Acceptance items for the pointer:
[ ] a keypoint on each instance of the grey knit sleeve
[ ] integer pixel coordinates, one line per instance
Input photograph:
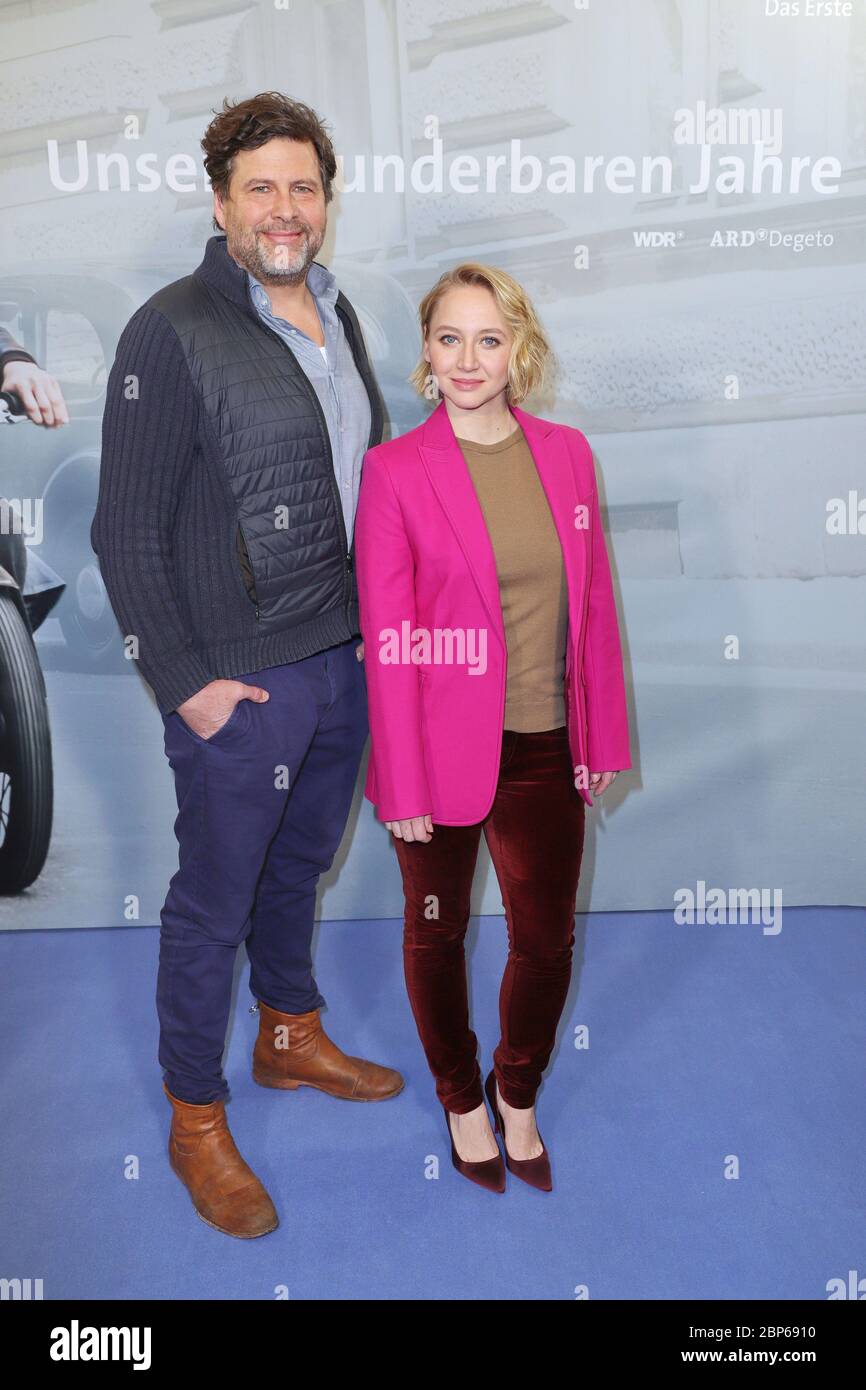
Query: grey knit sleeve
(149, 437)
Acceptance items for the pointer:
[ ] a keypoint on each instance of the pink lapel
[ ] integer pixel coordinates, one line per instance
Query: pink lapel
(452, 483)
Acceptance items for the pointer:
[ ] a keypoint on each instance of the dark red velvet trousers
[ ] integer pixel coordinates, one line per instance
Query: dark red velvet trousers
(534, 832)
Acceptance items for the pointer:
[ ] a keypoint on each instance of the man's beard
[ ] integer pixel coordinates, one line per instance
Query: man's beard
(278, 264)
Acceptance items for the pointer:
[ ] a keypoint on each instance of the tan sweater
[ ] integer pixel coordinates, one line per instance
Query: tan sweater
(532, 580)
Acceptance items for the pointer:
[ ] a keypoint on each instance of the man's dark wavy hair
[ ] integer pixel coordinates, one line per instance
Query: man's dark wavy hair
(244, 125)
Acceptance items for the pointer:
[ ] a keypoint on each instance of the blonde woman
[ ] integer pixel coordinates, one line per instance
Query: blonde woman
(495, 693)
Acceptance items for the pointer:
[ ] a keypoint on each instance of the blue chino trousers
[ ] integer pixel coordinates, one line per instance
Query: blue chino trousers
(262, 808)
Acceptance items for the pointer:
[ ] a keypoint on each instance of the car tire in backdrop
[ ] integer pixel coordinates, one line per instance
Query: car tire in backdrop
(26, 770)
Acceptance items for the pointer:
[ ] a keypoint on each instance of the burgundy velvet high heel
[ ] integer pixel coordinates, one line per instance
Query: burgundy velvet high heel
(489, 1172)
(535, 1171)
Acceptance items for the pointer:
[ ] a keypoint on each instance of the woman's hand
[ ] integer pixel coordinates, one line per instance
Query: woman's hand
(40, 393)
(418, 828)
(600, 781)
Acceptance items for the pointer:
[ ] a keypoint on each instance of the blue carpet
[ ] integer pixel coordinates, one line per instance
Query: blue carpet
(709, 1047)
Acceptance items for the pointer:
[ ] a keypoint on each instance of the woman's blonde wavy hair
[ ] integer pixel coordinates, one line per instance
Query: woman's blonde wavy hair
(530, 349)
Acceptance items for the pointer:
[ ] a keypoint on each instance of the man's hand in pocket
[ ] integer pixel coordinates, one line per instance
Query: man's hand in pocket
(209, 708)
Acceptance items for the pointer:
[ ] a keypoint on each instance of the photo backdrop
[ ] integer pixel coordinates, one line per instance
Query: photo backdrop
(679, 185)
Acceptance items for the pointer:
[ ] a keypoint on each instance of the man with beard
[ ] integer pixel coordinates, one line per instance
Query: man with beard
(239, 408)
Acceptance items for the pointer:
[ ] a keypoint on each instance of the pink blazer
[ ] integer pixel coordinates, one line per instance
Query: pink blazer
(425, 562)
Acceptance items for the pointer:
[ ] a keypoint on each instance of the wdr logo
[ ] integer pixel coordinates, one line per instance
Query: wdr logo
(654, 240)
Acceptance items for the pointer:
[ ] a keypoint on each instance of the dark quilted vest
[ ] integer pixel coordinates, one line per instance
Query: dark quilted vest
(273, 440)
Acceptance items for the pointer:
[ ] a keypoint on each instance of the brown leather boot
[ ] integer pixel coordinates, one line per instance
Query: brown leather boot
(294, 1050)
(225, 1191)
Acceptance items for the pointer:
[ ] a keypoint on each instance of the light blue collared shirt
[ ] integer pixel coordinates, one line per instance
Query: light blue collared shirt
(336, 380)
